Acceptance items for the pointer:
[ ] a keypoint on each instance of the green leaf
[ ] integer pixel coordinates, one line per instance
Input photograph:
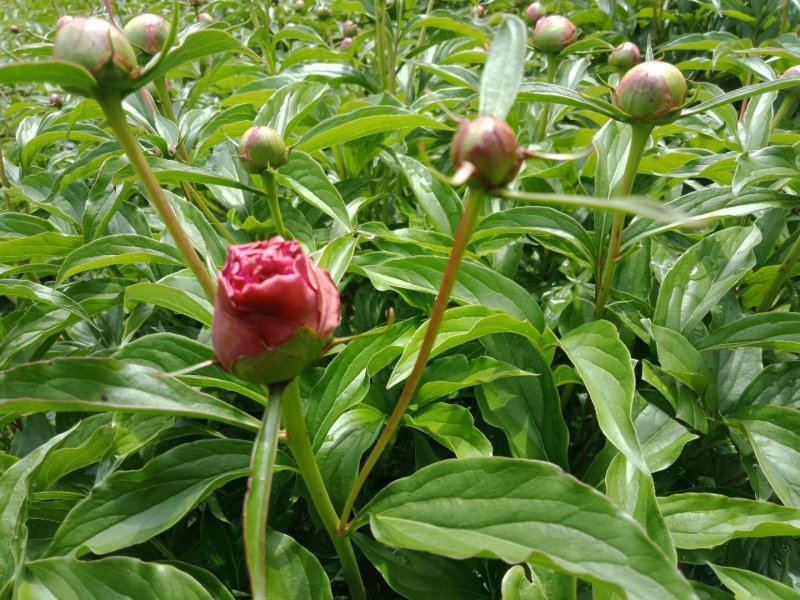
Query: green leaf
(121, 249)
(522, 510)
(539, 91)
(173, 297)
(65, 74)
(459, 325)
(116, 577)
(776, 331)
(363, 122)
(452, 373)
(502, 73)
(699, 520)
(293, 572)
(604, 364)
(778, 385)
(746, 584)
(749, 91)
(420, 576)
(45, 245)
(130, 507)
(104, 384)
(526, 409)
(774, 433)
(436, 198)
(22, 288)
(442, 19)
(453, 427)
(305, 176)
(703, 275)
(290, 104)
(679, 358)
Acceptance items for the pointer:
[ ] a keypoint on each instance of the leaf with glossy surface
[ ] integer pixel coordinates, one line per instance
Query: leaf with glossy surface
(436, 198)
(305, 176)
(116, 577)
(776, 331)
(293, 572)
(521, 510)
(604, 364)
(453, 427)
(104, 384)
(290, 104)
(700, 520)
(746, 585)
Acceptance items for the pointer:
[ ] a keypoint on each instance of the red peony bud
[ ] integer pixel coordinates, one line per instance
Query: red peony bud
(792, 72)
(625, 56)
(346, 43)
(147, 33)
(534, 12)
(553, 34)
(349, 29)
(491, 146)
(262, 148)
(651, 92)
(99, 47)
(274, 313)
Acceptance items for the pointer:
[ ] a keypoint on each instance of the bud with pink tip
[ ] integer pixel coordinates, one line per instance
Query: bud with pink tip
(625, 56)
(204, 17)
(490, 145)
(262, 148)
(56, 100)
(651, 92)
(63, 20)
(553, 34)
(147, 33)
(346, 43)
(349, 29)
(534, 12)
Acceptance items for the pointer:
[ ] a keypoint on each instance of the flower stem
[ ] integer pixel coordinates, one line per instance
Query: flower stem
(463, 234)
(115, 114)
(780, 277)
(270, 187)
(303, 453)
(783, 110)
(380, 42)
(256, 500)
(4, 183)
(544, 117)
(640, 134)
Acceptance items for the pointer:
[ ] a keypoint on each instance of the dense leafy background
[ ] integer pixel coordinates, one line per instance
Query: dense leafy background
(121, 470)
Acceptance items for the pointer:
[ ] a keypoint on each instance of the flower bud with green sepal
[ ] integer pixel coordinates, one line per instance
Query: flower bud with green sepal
(262, 148)
(651, 92)
(625, 56)
(553, 34)
(147, 33)
(490, 145)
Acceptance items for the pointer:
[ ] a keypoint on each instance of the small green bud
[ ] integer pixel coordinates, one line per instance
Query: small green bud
(490, 145)
(99, 47)
(147, 33)
(262, 148)
(625, 56)
(299, 6)
(651, 92)
(323, 12)
(553, 34)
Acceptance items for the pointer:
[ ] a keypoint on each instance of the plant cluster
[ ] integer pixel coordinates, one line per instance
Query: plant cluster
(489, 301)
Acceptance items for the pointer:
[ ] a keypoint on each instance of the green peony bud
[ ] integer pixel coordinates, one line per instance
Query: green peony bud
(553, 34)
(534, 12)
(262, 148)
(147, 33)
(99, 47)
(299, 6)
(323, 12)
(651, 92)
(491, 146)
(625, 56)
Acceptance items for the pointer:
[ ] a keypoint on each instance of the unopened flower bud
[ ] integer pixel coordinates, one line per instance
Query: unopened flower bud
(14, 29)
(349, 29)
(147, 33)
(534, 12)
(56, 100)
(554, 33)
(323, 12)
(99, 47)
(299, 6)
(262, 148)
(490, 145)
(651, 92)
(346, 43)
(478, 11)
(625, 56)
(274, 313)
(204, 17)
(63, 20)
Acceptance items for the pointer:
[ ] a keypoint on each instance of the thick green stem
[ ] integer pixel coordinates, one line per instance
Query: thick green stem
(780, 277)
(783, 110)
(463, 234)
(256, 500)
(4, 183)
(300, 444)
(544, 116)
(270, 188)
(380, 42)
(115, 114)
(640, 134)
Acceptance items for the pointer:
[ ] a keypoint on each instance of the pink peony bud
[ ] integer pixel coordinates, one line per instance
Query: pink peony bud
(262, 148)
(346, 43)
(651, 92)
(275, 312)
(63, 20)
(56, 100)
(349, 29)
(625, 56)
(534, 12)
(14, 29)
(553, 34)
(147, 33)
(478, 11)
(204, 17)
(491, 146)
